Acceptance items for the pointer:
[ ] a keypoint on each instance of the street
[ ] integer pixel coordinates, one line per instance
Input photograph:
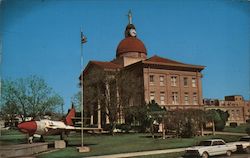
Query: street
(233, 156)
(236, 156)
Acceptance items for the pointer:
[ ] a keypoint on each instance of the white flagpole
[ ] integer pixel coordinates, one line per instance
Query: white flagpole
(81, 91)
(1, 83)
(83, 40)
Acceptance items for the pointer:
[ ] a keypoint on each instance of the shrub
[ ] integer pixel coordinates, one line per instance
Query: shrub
(219, 126)
(125, 127)
(233, 124)
(248, 130)
(188, 130)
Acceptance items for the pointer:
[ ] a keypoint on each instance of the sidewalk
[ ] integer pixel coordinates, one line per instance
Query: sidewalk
(225, 133)
(142, 153)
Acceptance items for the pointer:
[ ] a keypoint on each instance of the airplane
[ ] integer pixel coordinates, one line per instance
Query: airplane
(49, 127)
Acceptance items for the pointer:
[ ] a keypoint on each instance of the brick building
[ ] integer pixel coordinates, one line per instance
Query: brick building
(170, 83)
(237, 107)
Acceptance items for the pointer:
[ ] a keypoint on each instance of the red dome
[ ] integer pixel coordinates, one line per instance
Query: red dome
(130, 44)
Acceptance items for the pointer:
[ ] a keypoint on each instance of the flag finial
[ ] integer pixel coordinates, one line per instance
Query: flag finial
(130, 17)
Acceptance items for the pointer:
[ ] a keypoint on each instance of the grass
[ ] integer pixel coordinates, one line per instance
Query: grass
(9, 137)
(239, 129)
(103, 145)
(120, 143)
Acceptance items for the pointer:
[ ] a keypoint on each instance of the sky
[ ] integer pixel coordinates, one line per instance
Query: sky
(42, 37)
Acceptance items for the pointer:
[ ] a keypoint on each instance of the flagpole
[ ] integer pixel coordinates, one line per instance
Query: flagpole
(83, 40)
(1, 84)
(81, 89)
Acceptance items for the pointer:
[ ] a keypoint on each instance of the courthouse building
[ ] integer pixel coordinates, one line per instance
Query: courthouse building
(170, 83)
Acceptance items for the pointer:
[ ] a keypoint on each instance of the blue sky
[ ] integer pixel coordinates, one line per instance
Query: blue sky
(42, 37)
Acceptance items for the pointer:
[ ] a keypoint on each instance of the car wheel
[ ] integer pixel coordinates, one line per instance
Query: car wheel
(248, 150)
(229, 153)
(204, 155)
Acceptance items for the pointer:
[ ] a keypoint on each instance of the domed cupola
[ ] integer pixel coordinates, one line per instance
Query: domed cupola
(131, 46)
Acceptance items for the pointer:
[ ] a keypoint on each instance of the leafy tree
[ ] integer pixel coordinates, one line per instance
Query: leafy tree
(29, 96)
(218, 117)
(137, 117)
(185, 122)
(155, 115)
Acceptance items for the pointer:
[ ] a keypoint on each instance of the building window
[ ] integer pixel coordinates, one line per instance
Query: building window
(161, 80)
(186, 99)
(193, 82)
(195, 99)
(185, 81)
(162, 98)
(174, 98)
(152, 96)
(151, 79)
(173, 81)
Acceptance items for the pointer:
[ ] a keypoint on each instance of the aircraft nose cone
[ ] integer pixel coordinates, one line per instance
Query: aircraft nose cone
(28, 127)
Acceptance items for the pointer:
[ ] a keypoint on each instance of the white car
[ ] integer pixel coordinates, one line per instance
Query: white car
(210, 147)
(243, 145)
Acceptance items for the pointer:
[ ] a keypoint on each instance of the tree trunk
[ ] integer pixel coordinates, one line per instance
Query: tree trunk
(213, 128)
(202, 130)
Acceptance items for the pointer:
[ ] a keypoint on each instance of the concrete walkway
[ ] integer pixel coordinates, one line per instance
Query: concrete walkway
(225, 133)
(142, 153)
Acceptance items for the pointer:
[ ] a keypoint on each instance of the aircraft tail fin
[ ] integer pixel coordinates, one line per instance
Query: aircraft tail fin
(71, 113)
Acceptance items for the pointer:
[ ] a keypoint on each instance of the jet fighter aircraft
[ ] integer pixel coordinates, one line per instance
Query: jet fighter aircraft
(49, 127)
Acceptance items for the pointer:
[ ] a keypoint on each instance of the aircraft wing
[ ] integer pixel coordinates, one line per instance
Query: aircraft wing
(72, 128)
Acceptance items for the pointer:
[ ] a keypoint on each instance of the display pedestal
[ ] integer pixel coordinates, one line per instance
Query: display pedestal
(60, 144)
(83, 149)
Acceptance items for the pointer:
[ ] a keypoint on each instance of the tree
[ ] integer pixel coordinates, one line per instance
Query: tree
(218, 118)
(156, 116)
(185, 122)
(112, 92)
(100, 94)
(29, 96)
(76, 100)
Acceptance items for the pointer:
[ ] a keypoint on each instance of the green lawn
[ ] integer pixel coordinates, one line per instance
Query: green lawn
(9, 137)
(238, 129)
(120, 143)
(102, 145)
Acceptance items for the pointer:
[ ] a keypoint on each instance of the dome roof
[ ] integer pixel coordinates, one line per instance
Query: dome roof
(130, 44)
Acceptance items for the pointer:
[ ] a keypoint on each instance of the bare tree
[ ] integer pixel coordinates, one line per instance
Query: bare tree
(31, 96)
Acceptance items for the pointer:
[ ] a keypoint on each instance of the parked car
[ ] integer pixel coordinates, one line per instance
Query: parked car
(243, 145)
(211, 147)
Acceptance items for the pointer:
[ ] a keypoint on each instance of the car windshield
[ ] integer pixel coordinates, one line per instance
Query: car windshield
(245, 139)
(205, 143)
